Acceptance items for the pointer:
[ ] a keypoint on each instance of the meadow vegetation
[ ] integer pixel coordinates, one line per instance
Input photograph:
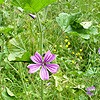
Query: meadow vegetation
(71, 30)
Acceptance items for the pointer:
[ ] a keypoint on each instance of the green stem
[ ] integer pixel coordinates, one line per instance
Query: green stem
(41, 89)
(41, 49)
(15, 26)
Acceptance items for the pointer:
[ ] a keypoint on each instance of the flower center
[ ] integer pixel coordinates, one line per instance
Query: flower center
(43, 63)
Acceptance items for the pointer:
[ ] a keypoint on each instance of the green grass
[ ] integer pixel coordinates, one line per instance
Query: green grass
(78, 69)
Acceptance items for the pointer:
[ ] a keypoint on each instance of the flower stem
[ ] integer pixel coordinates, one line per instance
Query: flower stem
(41, 49)
(41, 89)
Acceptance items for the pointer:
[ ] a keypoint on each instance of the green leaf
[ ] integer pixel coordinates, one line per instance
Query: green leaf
(19, 48)
(14, 42)
(85, 36)
(65, 21)
(19, 56)
(32, 5)
(59, 88)
(1, 1)
(7, 94)
(69, 23)
(94, 30)
(6, 29)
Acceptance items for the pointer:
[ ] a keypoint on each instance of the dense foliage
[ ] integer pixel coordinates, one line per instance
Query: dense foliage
(71, 30)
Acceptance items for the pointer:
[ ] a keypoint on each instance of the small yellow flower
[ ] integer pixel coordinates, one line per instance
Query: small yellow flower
(77, 54)
(73, 61)
(68, 43)
(66, 40)
(80, 50)
(80, 57)
(61, 46)
(73, 52)
(66, 46)
(54, 50)
(66, 36)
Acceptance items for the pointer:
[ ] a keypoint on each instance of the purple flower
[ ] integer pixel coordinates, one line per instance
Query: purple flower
(33, 16)
(89, 93)
(99, 50)
(92, 88)
(44, 64)
(89, 90)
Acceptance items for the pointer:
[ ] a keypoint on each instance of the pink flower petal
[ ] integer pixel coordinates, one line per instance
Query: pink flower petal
(37, 58)
(49, 57)
(53, 68)
(33, 67)
(44, 74)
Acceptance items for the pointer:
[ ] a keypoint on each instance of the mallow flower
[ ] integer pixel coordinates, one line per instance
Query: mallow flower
(92, 88)
(44, 64)
(89, 90)
(89, 93)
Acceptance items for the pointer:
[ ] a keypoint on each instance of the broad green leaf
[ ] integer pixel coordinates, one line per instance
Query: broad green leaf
(32, 5)
(1, 1)
(69, 24)
(19, 48)
(19, 56)
(65, 21)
